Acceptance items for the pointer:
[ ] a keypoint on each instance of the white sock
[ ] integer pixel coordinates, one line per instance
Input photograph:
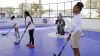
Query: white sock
(17, 38)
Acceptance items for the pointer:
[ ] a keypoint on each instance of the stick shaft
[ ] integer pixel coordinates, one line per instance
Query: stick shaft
(22, 35)
(62, 49)
(9, 31)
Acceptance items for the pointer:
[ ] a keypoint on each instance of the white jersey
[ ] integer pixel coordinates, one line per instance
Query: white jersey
(15, 22)
(76, 24)
(31, 26)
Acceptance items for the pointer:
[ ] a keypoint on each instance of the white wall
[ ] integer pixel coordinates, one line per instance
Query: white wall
(87, 23)
(7, 22)
(37, 21)
(91, 23)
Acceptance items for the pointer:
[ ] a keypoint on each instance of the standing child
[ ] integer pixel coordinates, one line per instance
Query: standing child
(16, 25)
(30, 26)
(60, 25)
(76, 31)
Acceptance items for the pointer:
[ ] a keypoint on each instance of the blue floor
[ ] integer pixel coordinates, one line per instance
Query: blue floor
(46, 45)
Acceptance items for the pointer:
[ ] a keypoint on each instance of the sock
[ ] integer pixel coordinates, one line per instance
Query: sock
(15, 34)
(17, 38)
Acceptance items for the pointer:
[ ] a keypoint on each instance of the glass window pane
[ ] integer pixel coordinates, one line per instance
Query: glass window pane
(85, 13)
(53, 10)
(68, 9)
(7, 12)
(35, 10)
(18, 13)
(95, 8)
(26, 6)
(61, 8)
(45, 10)
(86, 10)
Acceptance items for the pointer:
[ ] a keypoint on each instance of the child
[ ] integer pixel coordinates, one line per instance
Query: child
(76, 31)
(30, 26)
(60, 25)
(16, 25)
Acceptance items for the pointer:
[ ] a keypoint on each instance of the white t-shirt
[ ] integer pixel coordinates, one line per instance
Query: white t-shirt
(76, 24)
(15, 22)
(31, 26)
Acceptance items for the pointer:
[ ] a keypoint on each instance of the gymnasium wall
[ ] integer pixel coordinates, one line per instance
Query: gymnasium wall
(91, 24)
(87, 23)
(4, 23)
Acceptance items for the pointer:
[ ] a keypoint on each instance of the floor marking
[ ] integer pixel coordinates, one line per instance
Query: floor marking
(53, 34)
(91, 40)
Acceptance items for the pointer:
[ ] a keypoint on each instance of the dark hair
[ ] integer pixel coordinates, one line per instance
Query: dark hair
(79, 5)
(13, 17)
(27, 14)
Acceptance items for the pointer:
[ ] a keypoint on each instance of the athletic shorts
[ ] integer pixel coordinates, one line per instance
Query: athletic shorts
(75, 39)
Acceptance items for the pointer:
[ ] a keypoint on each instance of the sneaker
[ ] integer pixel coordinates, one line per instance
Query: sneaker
(28, 44)
(32, 46)
(82, 35)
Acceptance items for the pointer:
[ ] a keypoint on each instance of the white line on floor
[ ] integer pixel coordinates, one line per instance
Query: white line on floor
(91, 40)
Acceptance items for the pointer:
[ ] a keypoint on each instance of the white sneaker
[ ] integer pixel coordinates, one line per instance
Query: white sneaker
(17, 39)
(82, 35)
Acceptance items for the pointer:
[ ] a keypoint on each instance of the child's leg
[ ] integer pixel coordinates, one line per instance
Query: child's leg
(75, 45)
(17, 35)
(61, 30)
(76, 51)
(58, 29)
(18, 31)
(15, 32)
(29, 44)
(31, 36)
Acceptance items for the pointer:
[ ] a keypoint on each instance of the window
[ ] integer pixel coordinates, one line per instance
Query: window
(91, 9)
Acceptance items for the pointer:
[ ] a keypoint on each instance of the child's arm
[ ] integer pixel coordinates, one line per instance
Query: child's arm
(28, 24)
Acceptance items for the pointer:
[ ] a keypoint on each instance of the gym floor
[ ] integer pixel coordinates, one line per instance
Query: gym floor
(47, 43)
